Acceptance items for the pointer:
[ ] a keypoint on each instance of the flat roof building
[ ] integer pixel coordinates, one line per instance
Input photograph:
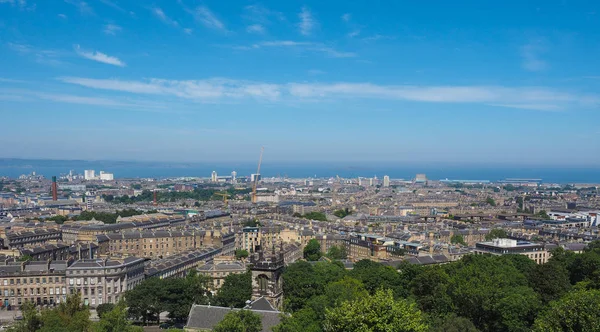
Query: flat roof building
(534, 251)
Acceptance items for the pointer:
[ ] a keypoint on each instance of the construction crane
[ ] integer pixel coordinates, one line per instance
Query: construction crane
(255, 183)
(225, 196)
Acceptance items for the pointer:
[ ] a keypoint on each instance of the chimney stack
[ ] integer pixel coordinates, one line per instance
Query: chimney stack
(54, 189)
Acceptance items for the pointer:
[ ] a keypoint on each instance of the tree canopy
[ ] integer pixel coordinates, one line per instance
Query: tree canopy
(312, 250)
(240, 321)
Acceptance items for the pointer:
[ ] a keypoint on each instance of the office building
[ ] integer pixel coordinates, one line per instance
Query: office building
(420, 178)
(255, 177)
(42, 283)
(534, 251)
(89, 174)
(106, 176)
(234, 177)
(213, 177)
(386, 181)
(104, 280)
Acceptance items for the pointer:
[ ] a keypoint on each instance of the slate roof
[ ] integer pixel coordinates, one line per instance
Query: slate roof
(427, 260)
(205, 317)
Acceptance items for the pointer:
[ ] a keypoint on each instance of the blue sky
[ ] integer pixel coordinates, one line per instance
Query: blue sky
(512, 82)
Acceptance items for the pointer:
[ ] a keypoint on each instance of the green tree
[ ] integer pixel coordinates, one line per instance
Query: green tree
(376, 275)
(304, 320)
(104, 308)
(312, 250)
(115, 320)
(70, 315)
(452, 323)
(341, 213)
(337, 252)
(25, 258)
(550, 280)
(241, 254)
(576, 311)
(430, 290)
(145, 301)
(320, 216)
(490, 201)
(236, 290)
(296, 215)
(491, 292)
(495, 234)
(542, 214)
(240, 321)
(379, 312)
(31, 321)
(458, 239)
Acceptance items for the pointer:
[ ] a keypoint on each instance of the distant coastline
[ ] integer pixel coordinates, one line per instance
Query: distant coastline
(13, 168)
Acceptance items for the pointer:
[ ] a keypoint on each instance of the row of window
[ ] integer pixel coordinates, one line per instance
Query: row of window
(33, 291)
(37, 280)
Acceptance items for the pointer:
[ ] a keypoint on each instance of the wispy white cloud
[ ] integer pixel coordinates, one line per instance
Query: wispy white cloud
(260, 17)
(63, 16)
(10, 80)
(307, 22)
(534, 98)
(346, 17)
(302, 46)
(208, 18)
(261, 14)
(163, 17)
(112, 29)
(316, 72)
(20, 48)
(255, 28)
(376, 37)
(83, 7)
(188, 31)
(22, 4)
(209, 89)
(46, 57)
(114, 5)
(99, 57)
(125, 103)
(354, 33)
(531, 54)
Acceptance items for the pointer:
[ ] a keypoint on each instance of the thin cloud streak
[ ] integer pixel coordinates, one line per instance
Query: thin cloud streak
(307, 22)
(112, 29)
(308, 46)
(255, 28)
(113, 5)
(99, 57)
(534, 98)
(84, 7)
(531, 57)
(208, 18)
(163, 17)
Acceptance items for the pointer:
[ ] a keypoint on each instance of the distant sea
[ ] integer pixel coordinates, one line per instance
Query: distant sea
(13, 168)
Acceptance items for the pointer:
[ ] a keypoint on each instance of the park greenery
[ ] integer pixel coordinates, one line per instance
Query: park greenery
(312, 250)
(110, 218)
(241, 254)
(320, 216)
(477, 293)
(458, 239)
(70, 316)
(198, 194)
(240, 321)
(341, 213)
(151, 297)
(508, 293)
(496, 233)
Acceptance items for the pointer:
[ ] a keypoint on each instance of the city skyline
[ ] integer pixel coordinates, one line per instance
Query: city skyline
(192, 81)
